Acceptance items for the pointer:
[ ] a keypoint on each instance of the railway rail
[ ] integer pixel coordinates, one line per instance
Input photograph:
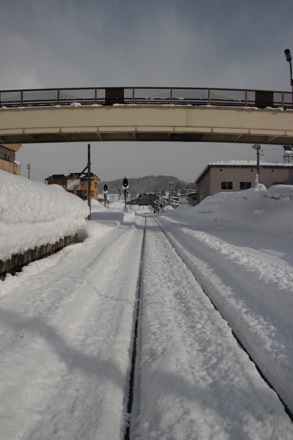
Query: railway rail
(236, 334)
(134, 403)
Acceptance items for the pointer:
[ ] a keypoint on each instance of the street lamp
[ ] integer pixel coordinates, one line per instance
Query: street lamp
(289, 59)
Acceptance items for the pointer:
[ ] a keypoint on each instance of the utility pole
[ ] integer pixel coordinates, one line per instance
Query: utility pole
(170, 191)
(28, 170)
(289, 59)
(257, 147)
(89, 178)
(88, 167)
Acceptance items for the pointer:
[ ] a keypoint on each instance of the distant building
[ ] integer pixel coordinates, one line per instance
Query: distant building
(7, 158)
(189, 198)
(240, 175)
(76, 184)
(288, 153)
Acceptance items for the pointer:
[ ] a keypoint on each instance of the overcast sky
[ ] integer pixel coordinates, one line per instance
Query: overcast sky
(167, 43)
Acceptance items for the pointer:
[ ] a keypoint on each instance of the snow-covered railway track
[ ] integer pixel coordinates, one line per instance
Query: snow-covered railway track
(135, 359)
(236, 280)
(118, 324)
(192, 380)
(65, 339)
(235, 331)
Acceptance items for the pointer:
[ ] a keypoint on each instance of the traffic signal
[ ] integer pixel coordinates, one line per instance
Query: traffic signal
(105, 188)
(125, 183)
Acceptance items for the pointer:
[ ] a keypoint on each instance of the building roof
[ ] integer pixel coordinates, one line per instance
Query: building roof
(243, 163)
(56, 176)
(69, 176)
(249, 163)
(13, 147)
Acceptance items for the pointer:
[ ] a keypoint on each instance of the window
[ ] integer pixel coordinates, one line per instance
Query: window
(226, 185)
(245, 185)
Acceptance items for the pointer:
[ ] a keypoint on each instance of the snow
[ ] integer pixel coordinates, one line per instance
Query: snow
(250, 163)
(66, 322)
(33, 214)
(256, 209)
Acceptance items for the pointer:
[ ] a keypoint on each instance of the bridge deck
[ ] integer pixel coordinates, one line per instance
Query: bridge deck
(146, 114)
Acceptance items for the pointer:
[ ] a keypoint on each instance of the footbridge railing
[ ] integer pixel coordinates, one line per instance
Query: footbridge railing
(146, 96)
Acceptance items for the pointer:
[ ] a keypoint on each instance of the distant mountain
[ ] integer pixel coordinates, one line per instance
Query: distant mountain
(149, 184)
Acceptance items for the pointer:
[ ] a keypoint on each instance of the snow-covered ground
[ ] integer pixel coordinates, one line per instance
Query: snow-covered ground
(66, 322)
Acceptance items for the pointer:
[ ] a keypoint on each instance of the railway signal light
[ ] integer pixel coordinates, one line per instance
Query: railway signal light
(125, 183)
(105, 188)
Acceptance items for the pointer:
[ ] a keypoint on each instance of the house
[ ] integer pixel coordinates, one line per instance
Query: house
(7, 158)
(76, 184)
(240, 175)
(190, 198)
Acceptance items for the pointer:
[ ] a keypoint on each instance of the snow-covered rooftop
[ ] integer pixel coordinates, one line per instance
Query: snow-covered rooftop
(243, 163)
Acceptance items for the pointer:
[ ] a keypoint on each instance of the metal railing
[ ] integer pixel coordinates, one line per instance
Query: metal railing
(146, 96)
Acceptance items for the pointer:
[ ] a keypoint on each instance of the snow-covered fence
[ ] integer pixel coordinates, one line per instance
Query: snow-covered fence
(17, 261)
(35, 220)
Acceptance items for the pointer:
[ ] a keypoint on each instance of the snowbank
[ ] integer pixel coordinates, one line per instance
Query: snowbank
(258, 209)
(33, 214)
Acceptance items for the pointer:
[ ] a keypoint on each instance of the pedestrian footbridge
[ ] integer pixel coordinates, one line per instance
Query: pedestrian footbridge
(146, 114)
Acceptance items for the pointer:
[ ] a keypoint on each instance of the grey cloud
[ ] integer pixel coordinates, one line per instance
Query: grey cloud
(192, 43)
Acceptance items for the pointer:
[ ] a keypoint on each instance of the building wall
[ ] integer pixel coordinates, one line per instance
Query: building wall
(10, 167)
(183, 199)
(204, 186)
(7, 154)
(192, 199)
(94, 187)
(7, 158)
(231, 174)
(59, 179)
(274, 176)
(211, 181)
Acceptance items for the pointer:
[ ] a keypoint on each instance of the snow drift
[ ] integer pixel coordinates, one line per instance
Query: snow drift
(33, 214)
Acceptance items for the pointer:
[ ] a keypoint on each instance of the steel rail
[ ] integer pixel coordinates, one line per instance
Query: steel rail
(133, 374)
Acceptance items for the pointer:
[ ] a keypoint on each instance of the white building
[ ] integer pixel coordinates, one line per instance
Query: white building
(240, 175)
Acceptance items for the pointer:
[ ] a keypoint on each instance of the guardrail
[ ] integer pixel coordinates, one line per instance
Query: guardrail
(146, 96)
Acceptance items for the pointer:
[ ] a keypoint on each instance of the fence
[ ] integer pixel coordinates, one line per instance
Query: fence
(146, 96)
